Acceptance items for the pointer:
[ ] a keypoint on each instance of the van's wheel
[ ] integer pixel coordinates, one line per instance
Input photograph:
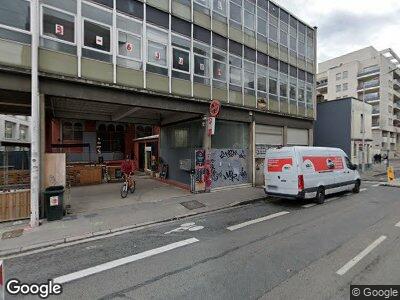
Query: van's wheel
(320, 198)
(357, 186)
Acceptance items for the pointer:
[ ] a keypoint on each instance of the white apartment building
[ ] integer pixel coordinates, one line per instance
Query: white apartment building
(371, 75)
(14, 130)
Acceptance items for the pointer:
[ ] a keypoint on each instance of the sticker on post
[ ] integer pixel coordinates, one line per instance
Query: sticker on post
(59, 29)
(99, 40)
(54, 201)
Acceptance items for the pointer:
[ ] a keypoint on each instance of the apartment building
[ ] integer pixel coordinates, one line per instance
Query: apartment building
(111, 69)
(371, 75)
(14, 130)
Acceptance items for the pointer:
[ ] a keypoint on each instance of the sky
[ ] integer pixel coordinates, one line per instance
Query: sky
(348, 25)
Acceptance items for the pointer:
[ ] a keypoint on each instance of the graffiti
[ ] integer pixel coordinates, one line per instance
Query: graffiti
(228, 167)
(232, 153)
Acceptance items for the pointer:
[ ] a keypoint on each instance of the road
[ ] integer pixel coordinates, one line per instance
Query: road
(278, 249)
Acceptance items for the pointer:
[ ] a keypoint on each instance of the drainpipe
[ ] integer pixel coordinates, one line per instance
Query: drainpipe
(35, 117)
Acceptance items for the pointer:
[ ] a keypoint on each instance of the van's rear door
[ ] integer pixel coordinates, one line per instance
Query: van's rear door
(281, 172)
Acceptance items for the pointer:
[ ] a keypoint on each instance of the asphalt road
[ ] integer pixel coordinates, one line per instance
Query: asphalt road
(277, 249)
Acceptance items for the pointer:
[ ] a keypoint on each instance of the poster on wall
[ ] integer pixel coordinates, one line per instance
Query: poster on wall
(200, 182)
(59, 29)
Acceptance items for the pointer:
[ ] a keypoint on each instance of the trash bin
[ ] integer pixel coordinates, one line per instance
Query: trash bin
(54, 200)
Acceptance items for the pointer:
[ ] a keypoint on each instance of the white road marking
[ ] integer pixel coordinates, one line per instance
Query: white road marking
(251, 222)
(363, 190)
(187, 226)
(122, 261)
(397, 225)
(309, 205)
(375, 185)
(360, 256)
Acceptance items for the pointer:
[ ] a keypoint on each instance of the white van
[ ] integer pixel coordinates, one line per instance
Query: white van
(309, 172)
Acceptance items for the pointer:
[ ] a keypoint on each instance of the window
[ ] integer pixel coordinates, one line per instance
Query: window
(338, 88)
(9, 130)
(201, 53)
(249, 15)
(345, 86)
(219, 6)
(143, 131)
(180, 57)
(219, 60)
(202, 6)
(249, 77)
(111, 137)
(108, 3)
(15, 14)
(157, 17)
(157, 51)
(235, 72)
(261, 24)
(283, 86)
(338, 76)
(236, 13)
(131, 7)
(72, 130)
(58, 25)
(96, 36)
(273, 85)
(262, 74)
(129, 38)
(23, 132)
(345, 74)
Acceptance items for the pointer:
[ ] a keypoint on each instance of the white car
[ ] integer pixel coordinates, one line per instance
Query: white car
(309, 172)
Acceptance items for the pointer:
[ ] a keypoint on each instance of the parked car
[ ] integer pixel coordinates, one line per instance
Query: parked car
(309, 172)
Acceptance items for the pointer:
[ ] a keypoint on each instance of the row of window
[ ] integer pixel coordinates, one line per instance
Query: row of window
(10, 131)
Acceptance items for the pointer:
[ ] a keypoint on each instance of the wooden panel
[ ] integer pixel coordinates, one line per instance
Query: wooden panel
(15, 205)
(54, 169)
(84, 175)
(14, 177)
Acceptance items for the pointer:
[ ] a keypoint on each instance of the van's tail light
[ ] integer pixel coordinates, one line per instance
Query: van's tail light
(301, 182)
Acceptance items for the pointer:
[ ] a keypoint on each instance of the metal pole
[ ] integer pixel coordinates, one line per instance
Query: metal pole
(363, 131)
(35, 117)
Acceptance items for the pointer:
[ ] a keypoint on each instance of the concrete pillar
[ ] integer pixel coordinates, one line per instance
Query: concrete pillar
(285, 129)
(206, 137)
(42, 126)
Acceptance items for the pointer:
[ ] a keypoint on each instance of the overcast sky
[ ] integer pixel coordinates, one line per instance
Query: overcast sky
(348, 25)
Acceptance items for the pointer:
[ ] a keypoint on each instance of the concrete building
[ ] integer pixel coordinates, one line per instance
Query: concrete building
(111, 69)
(372, 75)
(340, 124)
(14, 130)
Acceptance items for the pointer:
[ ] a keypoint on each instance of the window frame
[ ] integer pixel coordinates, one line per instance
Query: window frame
(226, 63)
(219, 13)
(130, 18)
(41, 18)
(253, 72)
(101, 24)
(8, 27)
(209, 59)
(189, 52)
(12, 130)
(254, 13)
(238, 24)
(165, 31)
(237, 68)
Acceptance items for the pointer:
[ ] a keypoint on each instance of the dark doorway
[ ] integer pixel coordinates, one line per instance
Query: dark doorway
(141, 156)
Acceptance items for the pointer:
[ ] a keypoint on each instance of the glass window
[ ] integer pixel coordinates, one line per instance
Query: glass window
(273, 85)
(219, 65)
(262, 74)
(301, 92)
(96, 36)
(108, 3)
(202, 6)
(249, 75)
(129, 45)
(219, 6)
(58, 25)
(157, 17)
(273, 32)
(9, 130)
(23, 132)
(249, 15)
(15, 13)
(201, 54)
(180, 60)
(292, 92)
(180, 57)
(131, 7)
(236, 13)
(157, 54)
(235, 70)
(345, 74)
(283, 87)
(67, 131)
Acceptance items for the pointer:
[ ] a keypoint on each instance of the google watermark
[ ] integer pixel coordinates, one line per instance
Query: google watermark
(360, 292)
(42, 290)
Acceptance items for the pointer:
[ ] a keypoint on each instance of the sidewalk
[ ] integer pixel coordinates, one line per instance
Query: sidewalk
(378, 171)
(108, 220)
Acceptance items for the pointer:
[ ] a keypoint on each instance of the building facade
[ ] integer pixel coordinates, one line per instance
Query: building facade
(107, 66)
(14, 130)
(354, 122)
(371, 75)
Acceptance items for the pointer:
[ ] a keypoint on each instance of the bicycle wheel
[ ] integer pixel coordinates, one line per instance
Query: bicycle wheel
(124, 190)
(133, 187)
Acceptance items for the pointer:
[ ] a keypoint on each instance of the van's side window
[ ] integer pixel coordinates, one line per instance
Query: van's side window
(348, 162)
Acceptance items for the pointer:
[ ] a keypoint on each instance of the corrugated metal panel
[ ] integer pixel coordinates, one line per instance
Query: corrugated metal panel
(297, 137)
(269, 135)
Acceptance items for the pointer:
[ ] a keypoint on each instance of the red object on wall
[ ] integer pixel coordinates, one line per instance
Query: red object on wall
(321, 163)
(215, 107)
(277, 164)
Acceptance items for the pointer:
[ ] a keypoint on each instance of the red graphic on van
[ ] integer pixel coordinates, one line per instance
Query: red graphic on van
(324, 163)
(278, 164)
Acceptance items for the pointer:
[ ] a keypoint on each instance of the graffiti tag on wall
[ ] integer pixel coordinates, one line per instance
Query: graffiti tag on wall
(229, 167)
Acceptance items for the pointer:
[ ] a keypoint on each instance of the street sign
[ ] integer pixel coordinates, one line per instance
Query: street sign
(215, 107)
(211, 126)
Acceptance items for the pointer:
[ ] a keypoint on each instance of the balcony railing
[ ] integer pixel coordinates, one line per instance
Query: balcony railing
(375, 111)
(369, 71)
(322, 84)
(369, 84)
(370, 97)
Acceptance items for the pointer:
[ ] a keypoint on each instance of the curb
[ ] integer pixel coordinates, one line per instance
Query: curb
(104, 233)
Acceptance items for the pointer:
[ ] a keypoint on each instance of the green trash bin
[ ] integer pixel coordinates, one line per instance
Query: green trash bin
(54, 199)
